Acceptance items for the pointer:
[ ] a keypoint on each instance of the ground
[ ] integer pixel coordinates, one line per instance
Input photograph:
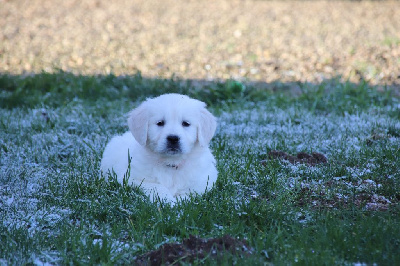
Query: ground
(195, 249)
(247, 40)
(310, 177)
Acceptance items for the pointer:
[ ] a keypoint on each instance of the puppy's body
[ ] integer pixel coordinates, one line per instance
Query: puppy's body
(167, 146)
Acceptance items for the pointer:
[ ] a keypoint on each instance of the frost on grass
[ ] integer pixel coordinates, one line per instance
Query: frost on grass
(298, 130)
(41, 150)
(36, 149)
(344, 139)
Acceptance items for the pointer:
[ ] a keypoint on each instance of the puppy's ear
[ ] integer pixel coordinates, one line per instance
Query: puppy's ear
(206, 128)
(138, 124)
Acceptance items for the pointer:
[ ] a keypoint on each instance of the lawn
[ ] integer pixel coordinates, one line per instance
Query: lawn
(56, 208)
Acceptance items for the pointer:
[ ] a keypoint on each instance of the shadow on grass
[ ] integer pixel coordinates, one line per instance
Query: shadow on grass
(58, 89)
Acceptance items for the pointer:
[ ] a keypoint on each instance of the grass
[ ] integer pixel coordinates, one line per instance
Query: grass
(55, 208)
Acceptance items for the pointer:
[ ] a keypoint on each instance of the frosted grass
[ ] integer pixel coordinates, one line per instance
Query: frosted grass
(41, 148)
(300, 130)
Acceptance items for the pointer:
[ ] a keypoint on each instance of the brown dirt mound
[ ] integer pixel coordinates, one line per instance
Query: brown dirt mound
(194, 248)
(302, 157)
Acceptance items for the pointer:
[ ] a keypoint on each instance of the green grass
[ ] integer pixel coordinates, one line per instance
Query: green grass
(55, 208)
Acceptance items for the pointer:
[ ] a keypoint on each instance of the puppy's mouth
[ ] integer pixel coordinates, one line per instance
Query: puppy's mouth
(173, 149)
(173, 152)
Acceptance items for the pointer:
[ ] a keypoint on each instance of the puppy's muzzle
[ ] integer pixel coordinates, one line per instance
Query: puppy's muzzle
(173, 144)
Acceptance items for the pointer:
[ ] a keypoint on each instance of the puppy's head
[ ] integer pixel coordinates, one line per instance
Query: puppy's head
(172, 124)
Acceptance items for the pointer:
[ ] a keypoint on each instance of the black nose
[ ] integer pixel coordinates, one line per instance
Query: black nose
(173, 139)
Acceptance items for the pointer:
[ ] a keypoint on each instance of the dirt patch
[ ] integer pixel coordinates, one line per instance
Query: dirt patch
(302, 157)
(367, 200)
(288, 41)
(193, 249)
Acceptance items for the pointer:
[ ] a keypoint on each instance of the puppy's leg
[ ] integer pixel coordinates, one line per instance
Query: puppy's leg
(157, 191)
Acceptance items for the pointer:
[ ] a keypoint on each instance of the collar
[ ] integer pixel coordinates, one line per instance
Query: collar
(172, 165)
(175, 165)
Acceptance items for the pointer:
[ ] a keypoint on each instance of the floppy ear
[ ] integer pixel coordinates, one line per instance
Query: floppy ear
(206, 128)
(138, 124)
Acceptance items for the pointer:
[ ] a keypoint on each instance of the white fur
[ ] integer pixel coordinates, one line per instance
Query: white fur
(169, 168)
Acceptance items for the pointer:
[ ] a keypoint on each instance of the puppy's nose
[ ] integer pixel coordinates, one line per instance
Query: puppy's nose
(173, 139)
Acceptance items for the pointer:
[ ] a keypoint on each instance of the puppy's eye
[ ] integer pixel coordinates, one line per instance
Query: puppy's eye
(185, 124)
(160, 123)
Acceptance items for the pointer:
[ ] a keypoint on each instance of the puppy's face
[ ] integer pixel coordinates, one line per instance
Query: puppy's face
(172, 124)
(172, 132)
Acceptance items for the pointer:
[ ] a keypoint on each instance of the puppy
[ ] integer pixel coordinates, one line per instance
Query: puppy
(167, 148)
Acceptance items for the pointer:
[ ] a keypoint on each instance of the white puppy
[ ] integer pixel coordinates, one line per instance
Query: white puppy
(168, 148)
